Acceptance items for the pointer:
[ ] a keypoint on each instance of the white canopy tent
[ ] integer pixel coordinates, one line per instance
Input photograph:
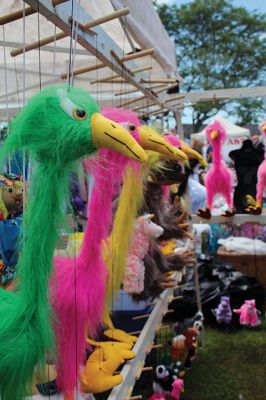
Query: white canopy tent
(47, 66)
(235, 135)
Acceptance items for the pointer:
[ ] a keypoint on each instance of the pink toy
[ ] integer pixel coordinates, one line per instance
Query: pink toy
(261, 185)
(218, 179)
(145, 229)
(158, 396)
(178, 388)
(248, 313)
(78, 284)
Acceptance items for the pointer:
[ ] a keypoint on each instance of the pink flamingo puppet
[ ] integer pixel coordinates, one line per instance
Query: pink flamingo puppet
(78, 286)
(261, 185)
(145, 230)
(218, 179)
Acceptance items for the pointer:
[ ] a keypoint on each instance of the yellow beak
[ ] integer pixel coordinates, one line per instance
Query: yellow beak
(106, 133)
(193, 154)
(214, 134)
(264, 128)
(151, 140)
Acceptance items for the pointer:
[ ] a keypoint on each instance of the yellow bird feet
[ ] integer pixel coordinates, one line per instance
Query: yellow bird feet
(111, 349)
(120, 336)
(98, 375)
(205, 214)
(255, 209)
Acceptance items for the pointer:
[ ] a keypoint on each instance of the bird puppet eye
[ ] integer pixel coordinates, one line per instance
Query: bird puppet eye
(79, 114)
(70, 108)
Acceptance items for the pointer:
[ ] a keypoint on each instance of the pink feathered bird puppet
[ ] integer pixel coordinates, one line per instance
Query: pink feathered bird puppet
(261, 185)
(218, 179)
(145, 230)
(248, 313)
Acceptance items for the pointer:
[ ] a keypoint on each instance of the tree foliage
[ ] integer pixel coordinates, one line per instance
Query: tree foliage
(218, 46)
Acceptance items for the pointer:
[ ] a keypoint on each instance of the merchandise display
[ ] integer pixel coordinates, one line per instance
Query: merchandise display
(128, 244)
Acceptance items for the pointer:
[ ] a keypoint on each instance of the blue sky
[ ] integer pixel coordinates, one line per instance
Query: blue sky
(259, 5)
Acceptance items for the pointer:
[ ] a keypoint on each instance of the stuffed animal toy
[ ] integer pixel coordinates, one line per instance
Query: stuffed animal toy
(195, 321)
(98, 375)
(145, 230)
(248, 313)
(261, 185)
(11, 196)
(178, 389)
(59, 126)
(191, 344)
(165, 378)
(224, 312)
(218, 179)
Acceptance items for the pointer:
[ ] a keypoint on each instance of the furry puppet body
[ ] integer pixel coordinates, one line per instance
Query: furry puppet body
(145, 230)
(55, 141)
(80, 283)
(248, 313)
(218, 179)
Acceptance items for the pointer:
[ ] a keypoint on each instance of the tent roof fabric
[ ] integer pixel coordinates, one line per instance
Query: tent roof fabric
(54, 58)
(231, 129)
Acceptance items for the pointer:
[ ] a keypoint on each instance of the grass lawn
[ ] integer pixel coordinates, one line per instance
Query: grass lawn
(232, 366)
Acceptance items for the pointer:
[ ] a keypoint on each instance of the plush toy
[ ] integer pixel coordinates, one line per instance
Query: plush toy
(59, 126)
(248, 313)
(196, 322)
(261, 185)
(178, 388)
(145, 229)
(11, 196)
(224, 312)
(98, 375)
(191, 344)
(165, 378)
(218, 179)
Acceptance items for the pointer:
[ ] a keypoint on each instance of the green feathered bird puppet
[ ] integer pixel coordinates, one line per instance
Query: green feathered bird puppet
(59, 126)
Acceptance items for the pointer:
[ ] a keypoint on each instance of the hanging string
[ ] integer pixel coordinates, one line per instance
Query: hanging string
(23, 102)
(16, 74)
(70, 45)
(6, 93)
(39, 48)
(75, 44)
(54, 54)
(123, 66)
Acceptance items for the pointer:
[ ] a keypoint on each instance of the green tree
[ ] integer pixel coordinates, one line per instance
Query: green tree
(218, 46)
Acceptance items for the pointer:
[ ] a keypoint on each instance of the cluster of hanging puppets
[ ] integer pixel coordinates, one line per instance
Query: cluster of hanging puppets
(59, 304)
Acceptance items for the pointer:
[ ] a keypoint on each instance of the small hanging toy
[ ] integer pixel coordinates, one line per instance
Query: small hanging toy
(218, 179)
(145, 229)
(223, 312)
(11, 196)
(261, 185)
(248, 313)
